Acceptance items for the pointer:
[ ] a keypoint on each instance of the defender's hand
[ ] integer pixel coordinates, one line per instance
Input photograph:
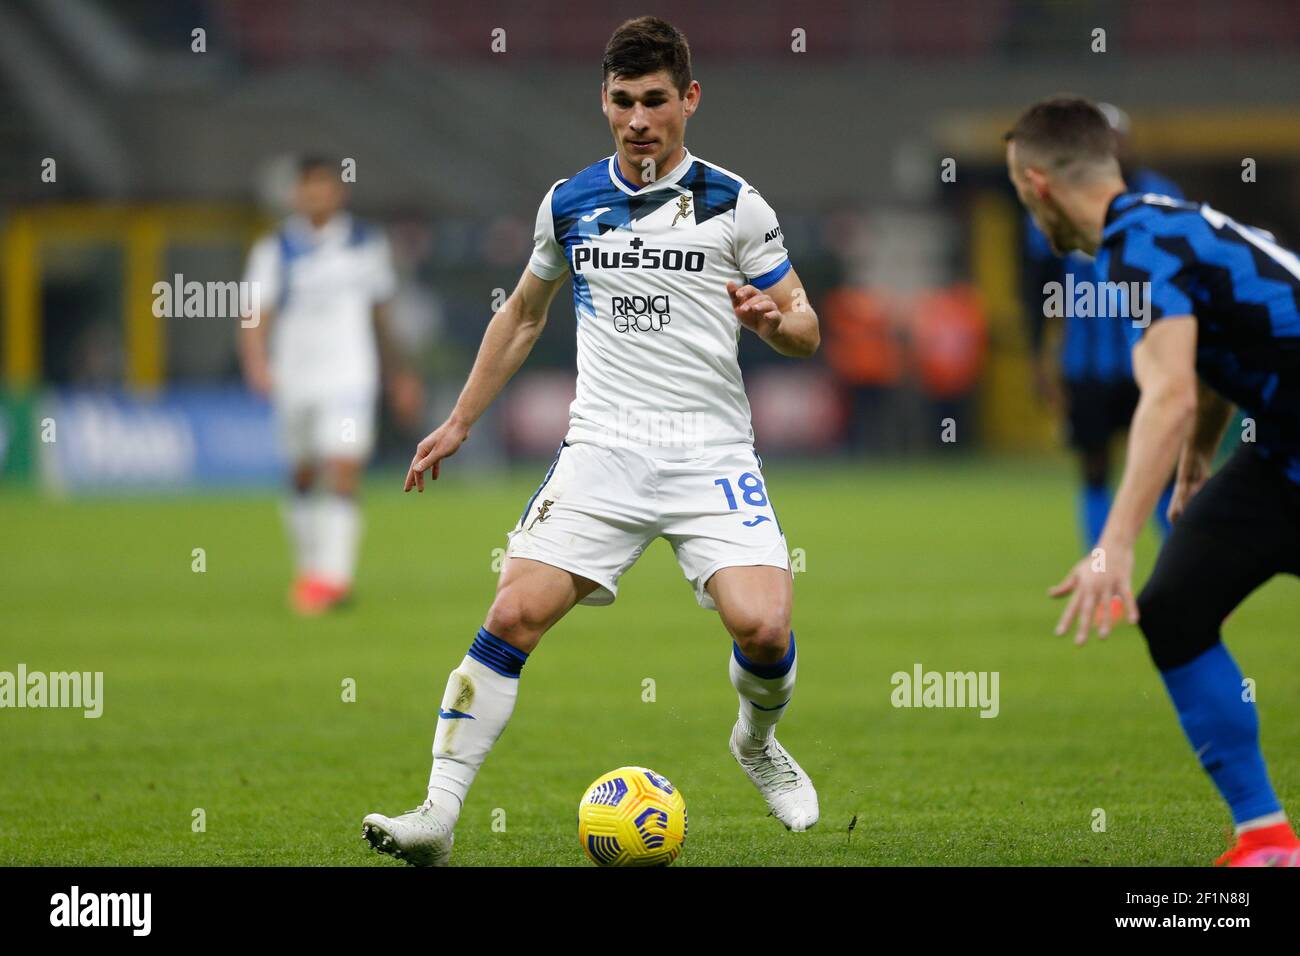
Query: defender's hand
(754, 310)
(440, 443)
(1095, 583)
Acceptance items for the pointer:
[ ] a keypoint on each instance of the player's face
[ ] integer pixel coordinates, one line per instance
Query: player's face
(647, 117)
(320, 194)
(1035, 194)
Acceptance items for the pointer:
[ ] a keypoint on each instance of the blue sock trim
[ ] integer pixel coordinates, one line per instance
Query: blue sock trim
(765, 671)
(1223, 730)
(490, 651)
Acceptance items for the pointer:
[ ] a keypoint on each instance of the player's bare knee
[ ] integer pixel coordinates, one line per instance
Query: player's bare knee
(512, 619)
(762, 640)
(505, 618)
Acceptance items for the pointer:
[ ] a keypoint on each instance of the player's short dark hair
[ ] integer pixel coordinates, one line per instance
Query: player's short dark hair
(1063, 131)
(647, 45)
(314, 163)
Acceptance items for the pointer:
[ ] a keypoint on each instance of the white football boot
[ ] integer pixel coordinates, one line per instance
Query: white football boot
(782, 782)
(417, 836)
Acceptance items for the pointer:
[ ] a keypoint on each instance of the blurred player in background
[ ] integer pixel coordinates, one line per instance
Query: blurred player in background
(1213, 319)
(325, 283)
(671, 259)
(1095, 370)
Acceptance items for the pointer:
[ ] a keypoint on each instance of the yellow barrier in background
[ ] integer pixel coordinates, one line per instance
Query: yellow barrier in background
(144, 232)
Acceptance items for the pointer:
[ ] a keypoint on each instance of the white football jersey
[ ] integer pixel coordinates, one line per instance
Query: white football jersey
(321, 286)
(657, 336)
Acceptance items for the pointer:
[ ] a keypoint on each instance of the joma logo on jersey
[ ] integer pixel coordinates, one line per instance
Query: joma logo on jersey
(640, 313)
(637, 256)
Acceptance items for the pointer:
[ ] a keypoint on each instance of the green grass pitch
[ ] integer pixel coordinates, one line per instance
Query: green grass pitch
(217, 698)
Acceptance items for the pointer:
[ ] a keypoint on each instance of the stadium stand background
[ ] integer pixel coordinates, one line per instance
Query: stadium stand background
(171, 160)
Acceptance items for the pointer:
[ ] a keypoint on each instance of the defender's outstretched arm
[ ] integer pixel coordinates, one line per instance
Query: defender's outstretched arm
(1164, 364)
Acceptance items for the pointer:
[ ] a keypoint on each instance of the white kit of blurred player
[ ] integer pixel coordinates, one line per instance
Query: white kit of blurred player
(324, 281)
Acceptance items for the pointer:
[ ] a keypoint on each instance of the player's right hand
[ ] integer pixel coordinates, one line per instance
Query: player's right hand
(442, 442)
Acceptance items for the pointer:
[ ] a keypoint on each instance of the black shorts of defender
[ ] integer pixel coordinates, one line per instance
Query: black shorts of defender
(1097, 409)
(1239, 530)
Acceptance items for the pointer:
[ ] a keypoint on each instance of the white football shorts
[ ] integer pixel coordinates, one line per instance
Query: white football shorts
(314, 429)
(600, 507)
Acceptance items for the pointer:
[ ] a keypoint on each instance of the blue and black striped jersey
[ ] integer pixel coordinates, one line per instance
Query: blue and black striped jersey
(1093, 347)
(1242, 287)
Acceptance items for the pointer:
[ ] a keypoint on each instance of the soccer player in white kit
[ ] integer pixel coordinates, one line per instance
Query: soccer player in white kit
(671, 258)
(324, 281)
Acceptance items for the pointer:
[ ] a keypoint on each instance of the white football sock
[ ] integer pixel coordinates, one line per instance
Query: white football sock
(339, 531)
(764, 691)
(299, 511)
(476, 707)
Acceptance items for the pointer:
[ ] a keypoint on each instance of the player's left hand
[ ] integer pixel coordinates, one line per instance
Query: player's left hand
(754, 310)
(1095, 584)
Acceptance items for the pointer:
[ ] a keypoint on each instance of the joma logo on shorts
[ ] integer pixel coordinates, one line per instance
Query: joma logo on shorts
(640, 313)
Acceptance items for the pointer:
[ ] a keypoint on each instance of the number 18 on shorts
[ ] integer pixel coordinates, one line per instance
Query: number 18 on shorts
(598, 508)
